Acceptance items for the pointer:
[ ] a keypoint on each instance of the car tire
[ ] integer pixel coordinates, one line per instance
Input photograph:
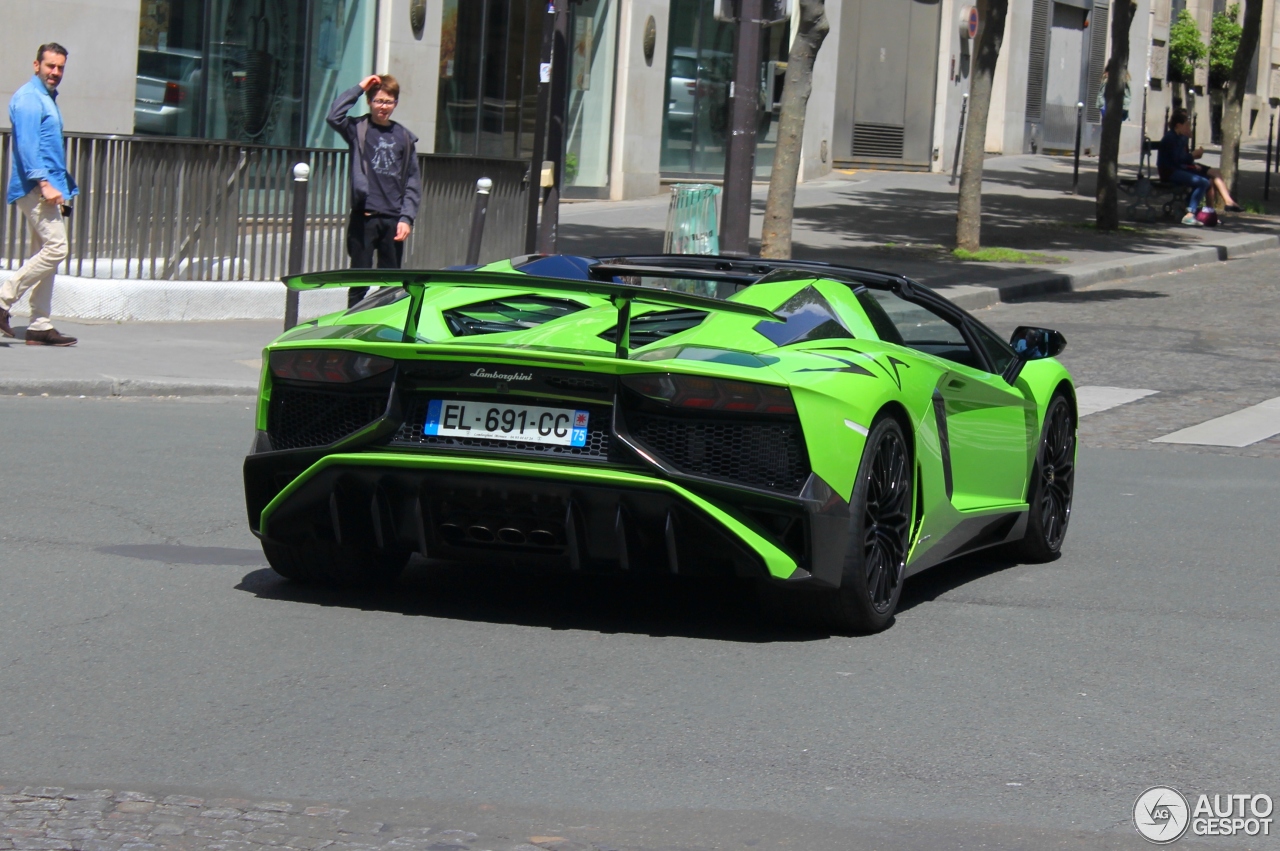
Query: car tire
(320, 563)
(1052, 485)
(873, 566)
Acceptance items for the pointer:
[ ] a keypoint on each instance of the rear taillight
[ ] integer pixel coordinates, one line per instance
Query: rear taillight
(712, 394)
(174, 94)
(327, 365)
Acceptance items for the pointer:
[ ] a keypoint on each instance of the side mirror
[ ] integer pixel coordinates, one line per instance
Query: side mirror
(1030, 344)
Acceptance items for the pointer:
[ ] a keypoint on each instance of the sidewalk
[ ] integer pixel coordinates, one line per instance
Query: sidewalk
(904, 222)
(895, 221)
(140, 359)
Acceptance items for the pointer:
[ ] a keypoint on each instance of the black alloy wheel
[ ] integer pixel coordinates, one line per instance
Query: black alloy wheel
(879, 534)
(887, 521)
(1052, 485)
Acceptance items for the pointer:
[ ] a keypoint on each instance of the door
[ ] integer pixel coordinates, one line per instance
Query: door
(987, 429)
(985, 420)
(1062, 83)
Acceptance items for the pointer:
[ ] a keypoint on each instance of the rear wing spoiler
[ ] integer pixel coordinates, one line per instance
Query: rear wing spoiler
(416, 282)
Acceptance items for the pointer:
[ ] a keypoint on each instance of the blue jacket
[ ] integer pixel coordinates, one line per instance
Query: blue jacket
(38, 152)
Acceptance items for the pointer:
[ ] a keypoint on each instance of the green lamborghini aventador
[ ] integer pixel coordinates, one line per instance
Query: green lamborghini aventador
(822, 430)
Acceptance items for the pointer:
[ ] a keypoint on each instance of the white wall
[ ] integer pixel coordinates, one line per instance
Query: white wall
(97, 93)
(637, 114)
(415, 63)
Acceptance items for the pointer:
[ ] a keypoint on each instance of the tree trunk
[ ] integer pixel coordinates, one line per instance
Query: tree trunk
(991, 15)
(779, 209)
(1108, 204)
(1233, 105)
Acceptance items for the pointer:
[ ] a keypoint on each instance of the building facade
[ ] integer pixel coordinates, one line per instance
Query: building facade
(649, 80)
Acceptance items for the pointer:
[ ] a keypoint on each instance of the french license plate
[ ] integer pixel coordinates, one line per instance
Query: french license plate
(530, 423)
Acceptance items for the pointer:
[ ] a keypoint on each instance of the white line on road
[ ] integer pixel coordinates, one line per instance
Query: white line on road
(1091, 400)
(1239, 428)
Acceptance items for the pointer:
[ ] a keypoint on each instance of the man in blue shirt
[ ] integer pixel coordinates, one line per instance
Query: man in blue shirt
(40, 188)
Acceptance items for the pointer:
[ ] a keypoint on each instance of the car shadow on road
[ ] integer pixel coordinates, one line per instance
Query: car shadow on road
(717, 610)
(948, 576)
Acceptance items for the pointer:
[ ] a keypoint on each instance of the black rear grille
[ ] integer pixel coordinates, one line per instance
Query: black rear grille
(597, 446)
(299, 417)
(757, 453)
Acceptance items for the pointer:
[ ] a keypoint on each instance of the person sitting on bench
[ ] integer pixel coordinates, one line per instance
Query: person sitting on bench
(1176, 163)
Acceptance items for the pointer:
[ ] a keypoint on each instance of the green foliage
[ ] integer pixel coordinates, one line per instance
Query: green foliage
(1187, 51)
(1006, 255)
(1224, 41)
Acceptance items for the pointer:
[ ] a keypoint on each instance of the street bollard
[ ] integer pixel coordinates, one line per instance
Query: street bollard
(297, 239)
(483, 187)
(955, 163)
(1075, 179)
(1266, 181)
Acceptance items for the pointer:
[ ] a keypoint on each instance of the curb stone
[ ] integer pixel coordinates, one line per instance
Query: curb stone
(1071, 278)
(122, 387)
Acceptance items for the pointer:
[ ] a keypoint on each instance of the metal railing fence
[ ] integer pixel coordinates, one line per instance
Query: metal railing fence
(190, 209)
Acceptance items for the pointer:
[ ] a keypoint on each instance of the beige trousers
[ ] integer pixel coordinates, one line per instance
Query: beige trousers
(49, 239)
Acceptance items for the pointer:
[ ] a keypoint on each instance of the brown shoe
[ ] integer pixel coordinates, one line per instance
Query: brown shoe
(50, 337)
(5, 330)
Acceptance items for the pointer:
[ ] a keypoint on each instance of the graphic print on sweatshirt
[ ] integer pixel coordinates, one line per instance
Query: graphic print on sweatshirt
(384, 159)
(384, 154)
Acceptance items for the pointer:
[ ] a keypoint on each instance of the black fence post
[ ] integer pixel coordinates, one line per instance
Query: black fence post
(297, 239)
(1079, 129)
(955, 162)
(483, 187)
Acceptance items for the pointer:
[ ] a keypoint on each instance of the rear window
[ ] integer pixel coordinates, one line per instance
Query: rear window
(684, 66)
(165, 66)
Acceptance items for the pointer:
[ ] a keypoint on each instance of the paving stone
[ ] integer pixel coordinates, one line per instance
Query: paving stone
(274, 806)
(325, 811)
(134, 796)
(168, 828)
(43, 791)
(94, 794)
(138, 807)
(183, 801)
(96, 845)
(234, 803)
(42, 843)
(221, 813)
(260, 818)
(43, 806)
(19, 832)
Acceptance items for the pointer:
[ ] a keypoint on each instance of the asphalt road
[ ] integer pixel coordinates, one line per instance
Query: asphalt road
(144, 644)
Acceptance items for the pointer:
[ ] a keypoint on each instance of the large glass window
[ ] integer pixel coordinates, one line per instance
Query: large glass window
(593, 27)
(700, 67)
(488, 76)
(260, 71)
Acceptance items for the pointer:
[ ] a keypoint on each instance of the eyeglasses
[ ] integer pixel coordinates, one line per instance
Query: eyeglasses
(381, 102)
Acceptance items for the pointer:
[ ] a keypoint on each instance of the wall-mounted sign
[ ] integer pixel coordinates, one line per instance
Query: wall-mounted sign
(650, 39)
(969, 22)
(418, 17)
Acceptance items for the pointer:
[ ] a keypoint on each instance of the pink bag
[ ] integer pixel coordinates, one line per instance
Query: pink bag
(1207, 217)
